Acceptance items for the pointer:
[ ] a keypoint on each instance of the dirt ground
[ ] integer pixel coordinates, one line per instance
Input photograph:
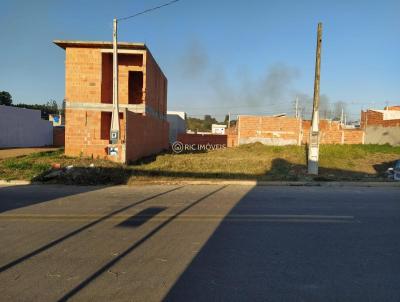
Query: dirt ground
(6, 153)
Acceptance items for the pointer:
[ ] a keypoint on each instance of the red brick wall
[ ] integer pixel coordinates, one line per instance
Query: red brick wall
(88, 74)
(392, 108)
(58, 136)
(232, 140)
(355, 136)
(83, 75)
(89, 80)
(331, 132)
(373, 118)
(145, 136)
(285, 130)
(270, 130)
(83, 134)
(202, 139)
(127, 63)
(156, 86)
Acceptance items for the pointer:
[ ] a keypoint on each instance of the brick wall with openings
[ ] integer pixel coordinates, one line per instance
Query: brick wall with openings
(88, 87)
(87, 133)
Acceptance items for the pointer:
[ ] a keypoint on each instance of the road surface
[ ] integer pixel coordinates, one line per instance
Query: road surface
(199, 243)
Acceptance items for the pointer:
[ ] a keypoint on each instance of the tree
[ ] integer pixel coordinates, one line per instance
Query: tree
(51, 107)
(5, 98)
(226, 120)
(196, 124)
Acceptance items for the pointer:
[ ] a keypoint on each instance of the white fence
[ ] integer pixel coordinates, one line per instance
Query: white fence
(20, 127)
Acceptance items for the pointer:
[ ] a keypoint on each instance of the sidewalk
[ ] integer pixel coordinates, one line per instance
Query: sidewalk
(239, 183)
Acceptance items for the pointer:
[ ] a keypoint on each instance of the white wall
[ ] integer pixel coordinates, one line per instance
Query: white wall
(382, 135)
(20, 127)
(177, 124)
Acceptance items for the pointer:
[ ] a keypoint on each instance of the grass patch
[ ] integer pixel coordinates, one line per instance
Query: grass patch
(253, 161)
(32, 166)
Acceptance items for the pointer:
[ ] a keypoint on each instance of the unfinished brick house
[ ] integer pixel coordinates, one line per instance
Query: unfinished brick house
(142, 89)
(388, 117)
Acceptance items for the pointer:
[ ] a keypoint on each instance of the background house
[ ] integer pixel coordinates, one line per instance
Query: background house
(177, 124)
(218, 129)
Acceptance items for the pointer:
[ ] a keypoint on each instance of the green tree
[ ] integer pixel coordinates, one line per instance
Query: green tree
(5, 98)
(202, 125)
(226, 120)
(51, 107)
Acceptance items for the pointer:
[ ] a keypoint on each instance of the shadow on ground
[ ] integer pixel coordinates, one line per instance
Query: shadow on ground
(33, 194)
(276, 246)
(300, 256)
(137, 220)
(281, 169)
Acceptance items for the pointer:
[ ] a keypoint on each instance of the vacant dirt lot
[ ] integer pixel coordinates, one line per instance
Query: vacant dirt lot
(14, 152)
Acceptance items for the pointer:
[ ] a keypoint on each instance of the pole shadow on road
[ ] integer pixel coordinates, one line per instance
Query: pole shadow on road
(142, 217)
(34, 194)
(79, 230)
(313, 256)
(297, 249)
(133, 247)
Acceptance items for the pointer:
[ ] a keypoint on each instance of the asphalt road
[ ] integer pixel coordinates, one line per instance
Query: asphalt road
(199, 243)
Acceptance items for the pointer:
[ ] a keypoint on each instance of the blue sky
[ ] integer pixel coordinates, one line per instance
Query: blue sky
(219, 56)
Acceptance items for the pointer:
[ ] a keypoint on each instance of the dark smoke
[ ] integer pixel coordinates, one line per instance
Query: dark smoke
(242, 93)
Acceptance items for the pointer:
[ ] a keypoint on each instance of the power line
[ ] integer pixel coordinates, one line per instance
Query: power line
(148, 10)
(241, 106)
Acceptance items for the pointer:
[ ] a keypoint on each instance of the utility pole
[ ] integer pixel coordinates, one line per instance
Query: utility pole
(229, 120)
(297, 106)
(313, 149)
(114, 130)
(115, 126)
(341, 117)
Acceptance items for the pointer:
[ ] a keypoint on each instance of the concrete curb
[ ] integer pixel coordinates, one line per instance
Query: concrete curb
(235, 182)
(15, 182)
(270, 183)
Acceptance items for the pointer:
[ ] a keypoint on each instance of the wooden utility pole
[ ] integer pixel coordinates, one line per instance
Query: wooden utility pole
(114, 130)
(313, 149)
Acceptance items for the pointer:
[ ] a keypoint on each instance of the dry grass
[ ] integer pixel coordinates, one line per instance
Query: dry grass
(31, 166)
(257, 161)
(254, 161)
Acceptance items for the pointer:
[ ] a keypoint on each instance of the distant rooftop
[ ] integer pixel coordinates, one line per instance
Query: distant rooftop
(389, 114)
(99, 44)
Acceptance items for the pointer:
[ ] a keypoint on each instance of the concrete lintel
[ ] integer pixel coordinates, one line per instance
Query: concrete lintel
(125, 51)
(138, 108)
